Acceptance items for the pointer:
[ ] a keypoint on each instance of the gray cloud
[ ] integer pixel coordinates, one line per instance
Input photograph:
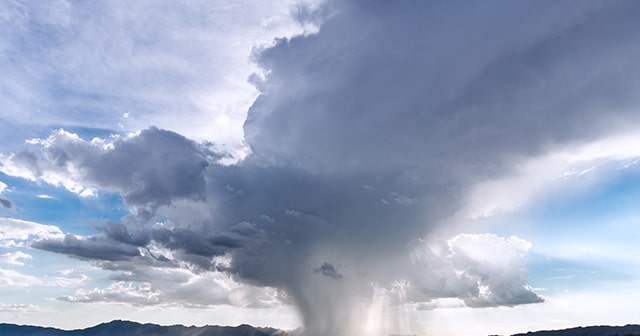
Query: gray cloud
(149, 169)
(327, 100)
(481, 270)
(119, 242)
(95, 247)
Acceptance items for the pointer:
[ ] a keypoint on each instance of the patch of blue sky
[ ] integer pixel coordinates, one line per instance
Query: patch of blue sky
(46, 204)
(612, 196)
(88, 108)
(606, 204)
(44, 276)
(582, 234)
(14, 134)
(556, 274)
(583, 230)
(598, 223)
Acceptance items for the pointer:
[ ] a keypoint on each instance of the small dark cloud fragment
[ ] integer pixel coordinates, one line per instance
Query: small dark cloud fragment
(6, 203)
(327, 269)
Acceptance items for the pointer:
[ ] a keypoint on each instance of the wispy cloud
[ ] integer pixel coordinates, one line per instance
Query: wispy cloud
(19, 230)
(21, 308)
(15, 258)
(45, 196)
(11, 278)
(147, 62)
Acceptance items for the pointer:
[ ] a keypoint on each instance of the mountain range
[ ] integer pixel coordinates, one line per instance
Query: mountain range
(628, 330)
(127, 328)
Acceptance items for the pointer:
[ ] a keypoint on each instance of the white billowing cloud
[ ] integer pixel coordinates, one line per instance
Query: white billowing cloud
(116, 292)
(26, 164)
(499, 266)
(178, 287)
(12, 230)
(15, 258)
(479, 269)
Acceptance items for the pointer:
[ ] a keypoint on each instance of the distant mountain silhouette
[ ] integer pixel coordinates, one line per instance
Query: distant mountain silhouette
(127, 328)
(628, 330)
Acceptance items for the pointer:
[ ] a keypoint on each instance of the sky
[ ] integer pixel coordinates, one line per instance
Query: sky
(344, 167)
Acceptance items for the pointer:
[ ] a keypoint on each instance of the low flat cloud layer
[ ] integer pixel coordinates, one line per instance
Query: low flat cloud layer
(367, 137)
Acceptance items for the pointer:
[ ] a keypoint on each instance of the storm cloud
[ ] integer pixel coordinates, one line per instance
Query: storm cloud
(400, 108)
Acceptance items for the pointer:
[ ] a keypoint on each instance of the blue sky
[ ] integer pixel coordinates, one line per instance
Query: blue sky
(347, 167)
